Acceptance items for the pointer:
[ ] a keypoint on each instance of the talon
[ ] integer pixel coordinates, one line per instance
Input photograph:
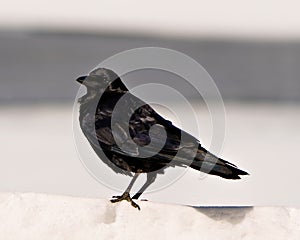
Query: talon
(126, 197)
(135, 205)
(114, 200)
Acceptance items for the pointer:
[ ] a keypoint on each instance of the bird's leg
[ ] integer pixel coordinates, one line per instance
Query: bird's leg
(126, 195)
(150, 179)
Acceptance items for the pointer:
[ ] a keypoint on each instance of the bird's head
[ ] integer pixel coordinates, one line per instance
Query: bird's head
(98, 79)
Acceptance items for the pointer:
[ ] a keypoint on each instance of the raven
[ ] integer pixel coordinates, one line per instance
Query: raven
(104, 90)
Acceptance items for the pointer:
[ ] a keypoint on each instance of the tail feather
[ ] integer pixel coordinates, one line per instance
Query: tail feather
(210, 164)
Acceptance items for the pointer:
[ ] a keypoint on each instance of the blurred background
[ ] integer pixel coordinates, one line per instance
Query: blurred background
(250, 48)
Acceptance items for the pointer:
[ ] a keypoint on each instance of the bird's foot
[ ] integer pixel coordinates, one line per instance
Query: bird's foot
(125, 196)
(137, 195)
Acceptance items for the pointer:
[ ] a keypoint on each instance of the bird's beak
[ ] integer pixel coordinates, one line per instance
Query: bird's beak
(81, 79)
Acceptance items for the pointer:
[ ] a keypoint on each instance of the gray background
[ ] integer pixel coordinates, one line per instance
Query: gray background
(42, 65)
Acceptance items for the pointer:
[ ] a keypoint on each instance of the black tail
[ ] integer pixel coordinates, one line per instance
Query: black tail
(210, 164)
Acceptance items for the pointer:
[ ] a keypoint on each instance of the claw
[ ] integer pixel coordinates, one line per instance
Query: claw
(136, 196)
(125, 196)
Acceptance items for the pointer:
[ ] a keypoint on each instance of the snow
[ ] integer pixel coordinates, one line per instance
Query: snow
(40, 216)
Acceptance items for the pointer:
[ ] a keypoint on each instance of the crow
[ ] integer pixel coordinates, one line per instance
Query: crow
(123, 142)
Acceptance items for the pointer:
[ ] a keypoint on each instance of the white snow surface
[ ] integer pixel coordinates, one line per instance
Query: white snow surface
(40, 216)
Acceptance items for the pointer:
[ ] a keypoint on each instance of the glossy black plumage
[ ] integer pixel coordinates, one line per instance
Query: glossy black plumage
(104, 90)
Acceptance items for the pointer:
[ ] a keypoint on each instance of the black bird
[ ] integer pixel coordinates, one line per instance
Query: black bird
(104, 90)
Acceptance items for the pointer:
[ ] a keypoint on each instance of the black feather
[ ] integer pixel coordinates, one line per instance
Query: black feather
(104, 90)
